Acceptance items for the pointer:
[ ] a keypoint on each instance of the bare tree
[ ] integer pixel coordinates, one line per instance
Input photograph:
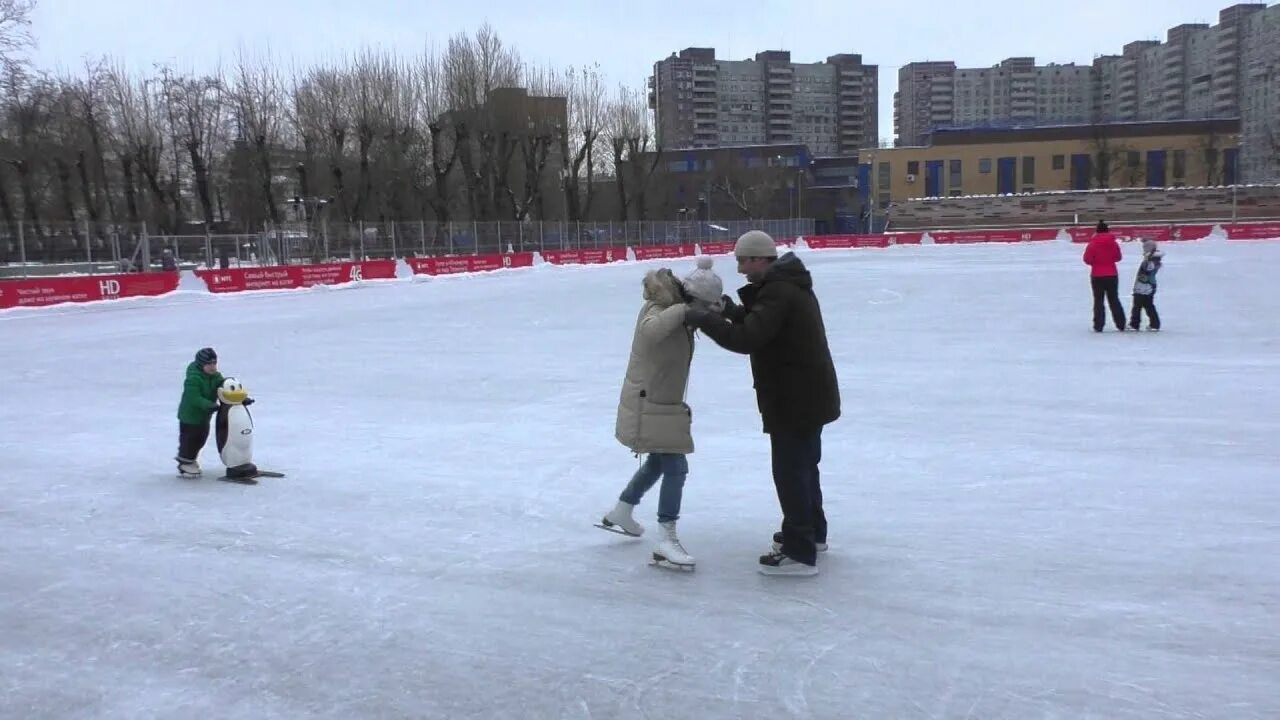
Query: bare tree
(137, 114)
(15, 31)
(473, 69)
(441, 150)
(333, 126)
(90, 98)
(1210, 147)
(27, 108)
(1109, 159)
(260, 116)
(66, 132)
(370, 89)
(197, 104)
(750, 190)
(304, 118)
(585, 99)
(633, 161)
(402, 129)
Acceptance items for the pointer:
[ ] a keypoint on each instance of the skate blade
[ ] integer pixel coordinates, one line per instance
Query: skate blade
(615, 529)
(798, 570)
(821, 547)
(659, 561)
(239, 481)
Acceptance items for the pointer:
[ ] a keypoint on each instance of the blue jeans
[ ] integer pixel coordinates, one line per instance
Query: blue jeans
(672, 468)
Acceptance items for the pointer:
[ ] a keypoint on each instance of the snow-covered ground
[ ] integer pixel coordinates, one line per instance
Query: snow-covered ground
(1028, 520)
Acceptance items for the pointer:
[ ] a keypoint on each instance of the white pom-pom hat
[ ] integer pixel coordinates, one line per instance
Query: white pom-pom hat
(703, 283)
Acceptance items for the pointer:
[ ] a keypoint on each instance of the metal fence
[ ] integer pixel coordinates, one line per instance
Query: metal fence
(54, 248)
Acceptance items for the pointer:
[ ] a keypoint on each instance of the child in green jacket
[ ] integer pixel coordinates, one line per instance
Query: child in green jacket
(199, 403)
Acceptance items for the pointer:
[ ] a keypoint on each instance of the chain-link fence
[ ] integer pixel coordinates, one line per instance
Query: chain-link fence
(27, 249)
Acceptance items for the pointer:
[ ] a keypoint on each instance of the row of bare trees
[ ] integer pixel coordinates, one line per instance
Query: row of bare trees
(1116, 163)
(441, 136)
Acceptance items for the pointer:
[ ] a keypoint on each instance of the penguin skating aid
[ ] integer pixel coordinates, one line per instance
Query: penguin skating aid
(234, 427)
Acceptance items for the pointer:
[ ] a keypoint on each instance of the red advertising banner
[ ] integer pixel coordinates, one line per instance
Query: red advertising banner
(726, 248)
(1253, 231)
(964, 237)
(38, 292)
(1190, 232)
(289, 277)
(653, 252)
(596, 256)
(828, 242)
(469, 263)
(717, 248)
(1125, 233)
(916, 238)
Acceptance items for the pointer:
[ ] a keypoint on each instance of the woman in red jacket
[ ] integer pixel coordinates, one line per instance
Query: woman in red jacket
(1101, 254)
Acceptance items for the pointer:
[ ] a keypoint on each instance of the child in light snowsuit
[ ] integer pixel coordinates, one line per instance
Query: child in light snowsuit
(1144, 287)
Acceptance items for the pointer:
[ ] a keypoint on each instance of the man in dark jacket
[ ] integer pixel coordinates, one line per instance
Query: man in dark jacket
(779, 325)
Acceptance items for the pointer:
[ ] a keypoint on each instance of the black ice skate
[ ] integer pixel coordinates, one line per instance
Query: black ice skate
(779, 564)
(777, 543)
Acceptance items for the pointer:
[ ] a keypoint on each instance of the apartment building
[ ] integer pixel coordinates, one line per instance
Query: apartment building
(1200, 71)
(1195, 73)
(925, 99)
(699, 101)
(1260, 97)
(934, 95)
(1227, 70)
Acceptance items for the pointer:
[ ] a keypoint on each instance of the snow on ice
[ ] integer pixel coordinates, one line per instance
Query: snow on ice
(1028, 520)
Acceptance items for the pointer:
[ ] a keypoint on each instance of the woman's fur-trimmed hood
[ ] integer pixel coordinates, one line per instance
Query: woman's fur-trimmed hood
(661, 287)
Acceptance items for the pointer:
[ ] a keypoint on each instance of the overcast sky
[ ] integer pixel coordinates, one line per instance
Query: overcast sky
(625, 38)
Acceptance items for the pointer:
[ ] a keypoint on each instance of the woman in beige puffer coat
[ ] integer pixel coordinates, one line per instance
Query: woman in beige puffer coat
(653, 416)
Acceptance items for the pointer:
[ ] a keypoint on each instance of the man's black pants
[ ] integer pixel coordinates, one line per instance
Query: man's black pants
(1108, 287)
(795, 476)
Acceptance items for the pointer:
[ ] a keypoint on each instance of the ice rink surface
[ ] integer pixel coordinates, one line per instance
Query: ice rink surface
(1028, 520)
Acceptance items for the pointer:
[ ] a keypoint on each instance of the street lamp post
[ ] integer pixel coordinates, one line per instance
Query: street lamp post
(800, 195)
(873, 178)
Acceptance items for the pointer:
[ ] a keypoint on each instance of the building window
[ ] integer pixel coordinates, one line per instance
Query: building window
(1179, 164)
(1059, 162)
(957, 181)
(884, 177)
(984, 166)
(913, 167)
(1028, 171)
(1135, 158)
